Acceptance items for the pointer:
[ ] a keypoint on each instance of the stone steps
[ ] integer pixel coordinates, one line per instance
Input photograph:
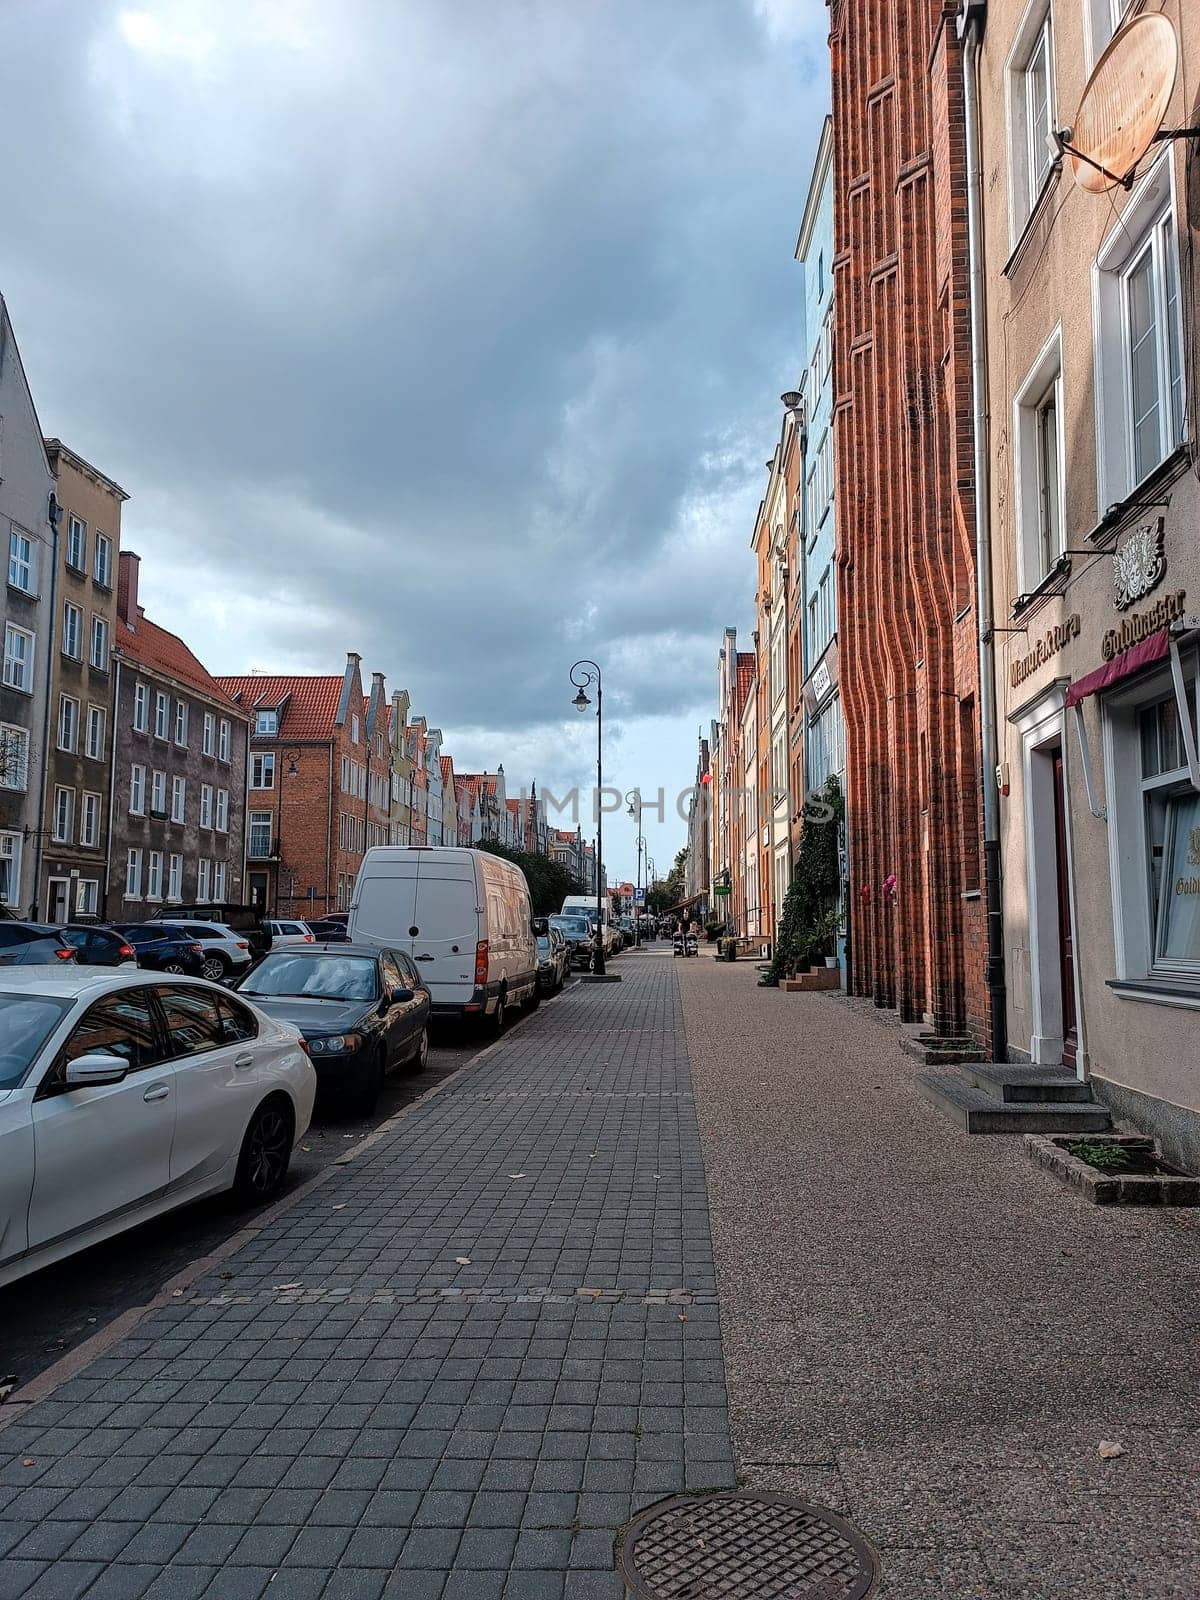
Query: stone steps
(978, 1110)
(935, 1050)
(1025, 1085)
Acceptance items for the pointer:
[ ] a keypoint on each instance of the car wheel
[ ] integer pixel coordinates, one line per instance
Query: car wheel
(214, 968)
(420, 1057)
(495, 1023)
(535, 999)
(266, 1152)
(367, 1098)
(172, 966)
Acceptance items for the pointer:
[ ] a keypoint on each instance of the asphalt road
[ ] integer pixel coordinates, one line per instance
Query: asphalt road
(44, 1316)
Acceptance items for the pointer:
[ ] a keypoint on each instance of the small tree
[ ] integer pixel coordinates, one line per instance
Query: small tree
(549, 881)
(809, 908)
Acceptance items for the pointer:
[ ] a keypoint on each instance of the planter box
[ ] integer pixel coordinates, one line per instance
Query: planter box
(1112, 1188)
(822, 978)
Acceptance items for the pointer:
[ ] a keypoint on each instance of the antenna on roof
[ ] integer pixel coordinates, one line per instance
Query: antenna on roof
(1124, 102)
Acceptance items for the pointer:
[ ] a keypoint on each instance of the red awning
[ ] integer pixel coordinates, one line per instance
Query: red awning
(1129, 661)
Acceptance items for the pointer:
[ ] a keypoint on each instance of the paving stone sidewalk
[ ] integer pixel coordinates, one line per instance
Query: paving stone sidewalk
(345, 1410)
(929, 1334)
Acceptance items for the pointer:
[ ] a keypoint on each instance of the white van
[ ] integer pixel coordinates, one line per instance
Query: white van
(463, 916)
(585, 905)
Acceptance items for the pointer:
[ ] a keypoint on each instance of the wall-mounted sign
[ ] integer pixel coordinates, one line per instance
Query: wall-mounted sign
(1051, 642)
(722, 888)
(1140, 626)
(821, 681)
(1139, 565)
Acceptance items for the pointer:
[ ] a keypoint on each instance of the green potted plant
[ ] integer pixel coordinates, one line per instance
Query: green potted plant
(830, 932)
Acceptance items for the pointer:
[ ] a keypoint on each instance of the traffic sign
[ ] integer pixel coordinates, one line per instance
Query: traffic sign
(639, 897)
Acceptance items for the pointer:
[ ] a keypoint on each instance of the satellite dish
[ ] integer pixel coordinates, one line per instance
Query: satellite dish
(1124, 104)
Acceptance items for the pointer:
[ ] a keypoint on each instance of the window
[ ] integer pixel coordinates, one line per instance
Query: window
(64, 815)
(178, 798)
(1037, 463)
(203, 874)
(1172, 824)
(223, 741)
(102, 561)
(260, 835)
(1030, 113)
(208, 738)
(122, 1025)
(354, 729)
(1138, 350)
(72, 639)
(68, 723)
(133, 875)
(237, 1023)
(193, 1021)
(222, 810)
(21, 562)
(77, 544)
(1104, 18)
(89, 820)
(266, 723)
(154, 875)
(141, 708)
(99, 656)
(14, 757)
(162, 715)
(18, 658)
(137, 790)
(96, 719)
(175, 878)
(219, 881)
(181, 723)
(262, 771)
(10, 868)
(206, 805)
(87, 897)
(158, 794)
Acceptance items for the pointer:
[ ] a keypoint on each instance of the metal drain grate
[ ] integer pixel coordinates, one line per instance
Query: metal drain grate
(745, 1546)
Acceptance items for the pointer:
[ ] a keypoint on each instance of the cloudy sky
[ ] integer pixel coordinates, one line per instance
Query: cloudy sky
(451, 332)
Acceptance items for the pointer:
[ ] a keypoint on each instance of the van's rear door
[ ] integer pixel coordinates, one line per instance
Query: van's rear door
(385, 903)
(447, 923)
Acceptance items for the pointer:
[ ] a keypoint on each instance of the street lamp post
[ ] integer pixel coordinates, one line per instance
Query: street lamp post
(584, 674)
(651, 869)
(635, 810)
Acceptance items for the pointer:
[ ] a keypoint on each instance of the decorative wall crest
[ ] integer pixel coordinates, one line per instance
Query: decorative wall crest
(1139, 565)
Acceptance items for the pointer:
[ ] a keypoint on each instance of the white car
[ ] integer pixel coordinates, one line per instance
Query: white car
(124, 1094)
(290, 933)
(226, 953)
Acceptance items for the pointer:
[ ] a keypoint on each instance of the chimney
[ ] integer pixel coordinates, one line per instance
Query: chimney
(127, 588)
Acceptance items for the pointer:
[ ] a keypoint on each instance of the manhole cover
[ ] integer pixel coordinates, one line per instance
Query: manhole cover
(745, 1547)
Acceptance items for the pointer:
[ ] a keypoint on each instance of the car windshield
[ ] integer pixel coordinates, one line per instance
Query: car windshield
(26, 1022)
(573, 927)
(314, 975)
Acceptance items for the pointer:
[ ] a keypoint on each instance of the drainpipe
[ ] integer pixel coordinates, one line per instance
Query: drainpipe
(970, 31)
(53, 517)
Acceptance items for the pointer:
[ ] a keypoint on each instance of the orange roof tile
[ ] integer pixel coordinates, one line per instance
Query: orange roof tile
(747, 666)
(311, 707)
(160, 651)
(447, 765)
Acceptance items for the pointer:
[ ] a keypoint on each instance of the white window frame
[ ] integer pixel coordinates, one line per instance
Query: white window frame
(87, 897)
(15, 777)
(354, 729)
(141, 708)
(158, 795)
(1044, 377)
(224, 738)
(1030, 163)
(1151, 209)
(68, 723)
(98, 657)
(22, 566)
(10, 857)
(102, 561)
(64, 814)
(162, 715)
(262, 770)
(203, 875)
(178, 798)
(154, 872)
(133, 873)
(89, 820)
(175, 878)
(266, 724)
(259, 823)
(72, 638)
(75, 550)
(219, 881)
(137, 790)
(208, 738)
(206, 805)
(1103, 19)
(222, 810)
(18, 670)
(181, 724)
(97, 726)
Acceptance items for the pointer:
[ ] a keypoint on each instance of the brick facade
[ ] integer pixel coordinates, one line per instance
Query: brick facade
(906, 570)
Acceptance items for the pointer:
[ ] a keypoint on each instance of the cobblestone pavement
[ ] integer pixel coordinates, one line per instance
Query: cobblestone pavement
(929, 1334)
(347, 1408)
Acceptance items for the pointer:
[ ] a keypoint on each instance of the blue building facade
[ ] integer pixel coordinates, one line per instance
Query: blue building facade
(824, 730)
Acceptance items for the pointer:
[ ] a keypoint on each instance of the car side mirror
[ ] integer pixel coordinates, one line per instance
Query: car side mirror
(94, 1070)
(399, 997)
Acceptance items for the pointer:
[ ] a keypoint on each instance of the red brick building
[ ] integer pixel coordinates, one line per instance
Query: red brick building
(906, 566)
(319, 785)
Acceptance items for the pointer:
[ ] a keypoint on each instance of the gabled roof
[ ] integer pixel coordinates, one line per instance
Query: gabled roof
(311, 702)
(514, 806)
(447, 765)
(747, 667)
(160, 651)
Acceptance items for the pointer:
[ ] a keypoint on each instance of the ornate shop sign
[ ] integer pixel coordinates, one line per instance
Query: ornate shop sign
(1051, 642)
(1140, 626)
(1139, 565)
